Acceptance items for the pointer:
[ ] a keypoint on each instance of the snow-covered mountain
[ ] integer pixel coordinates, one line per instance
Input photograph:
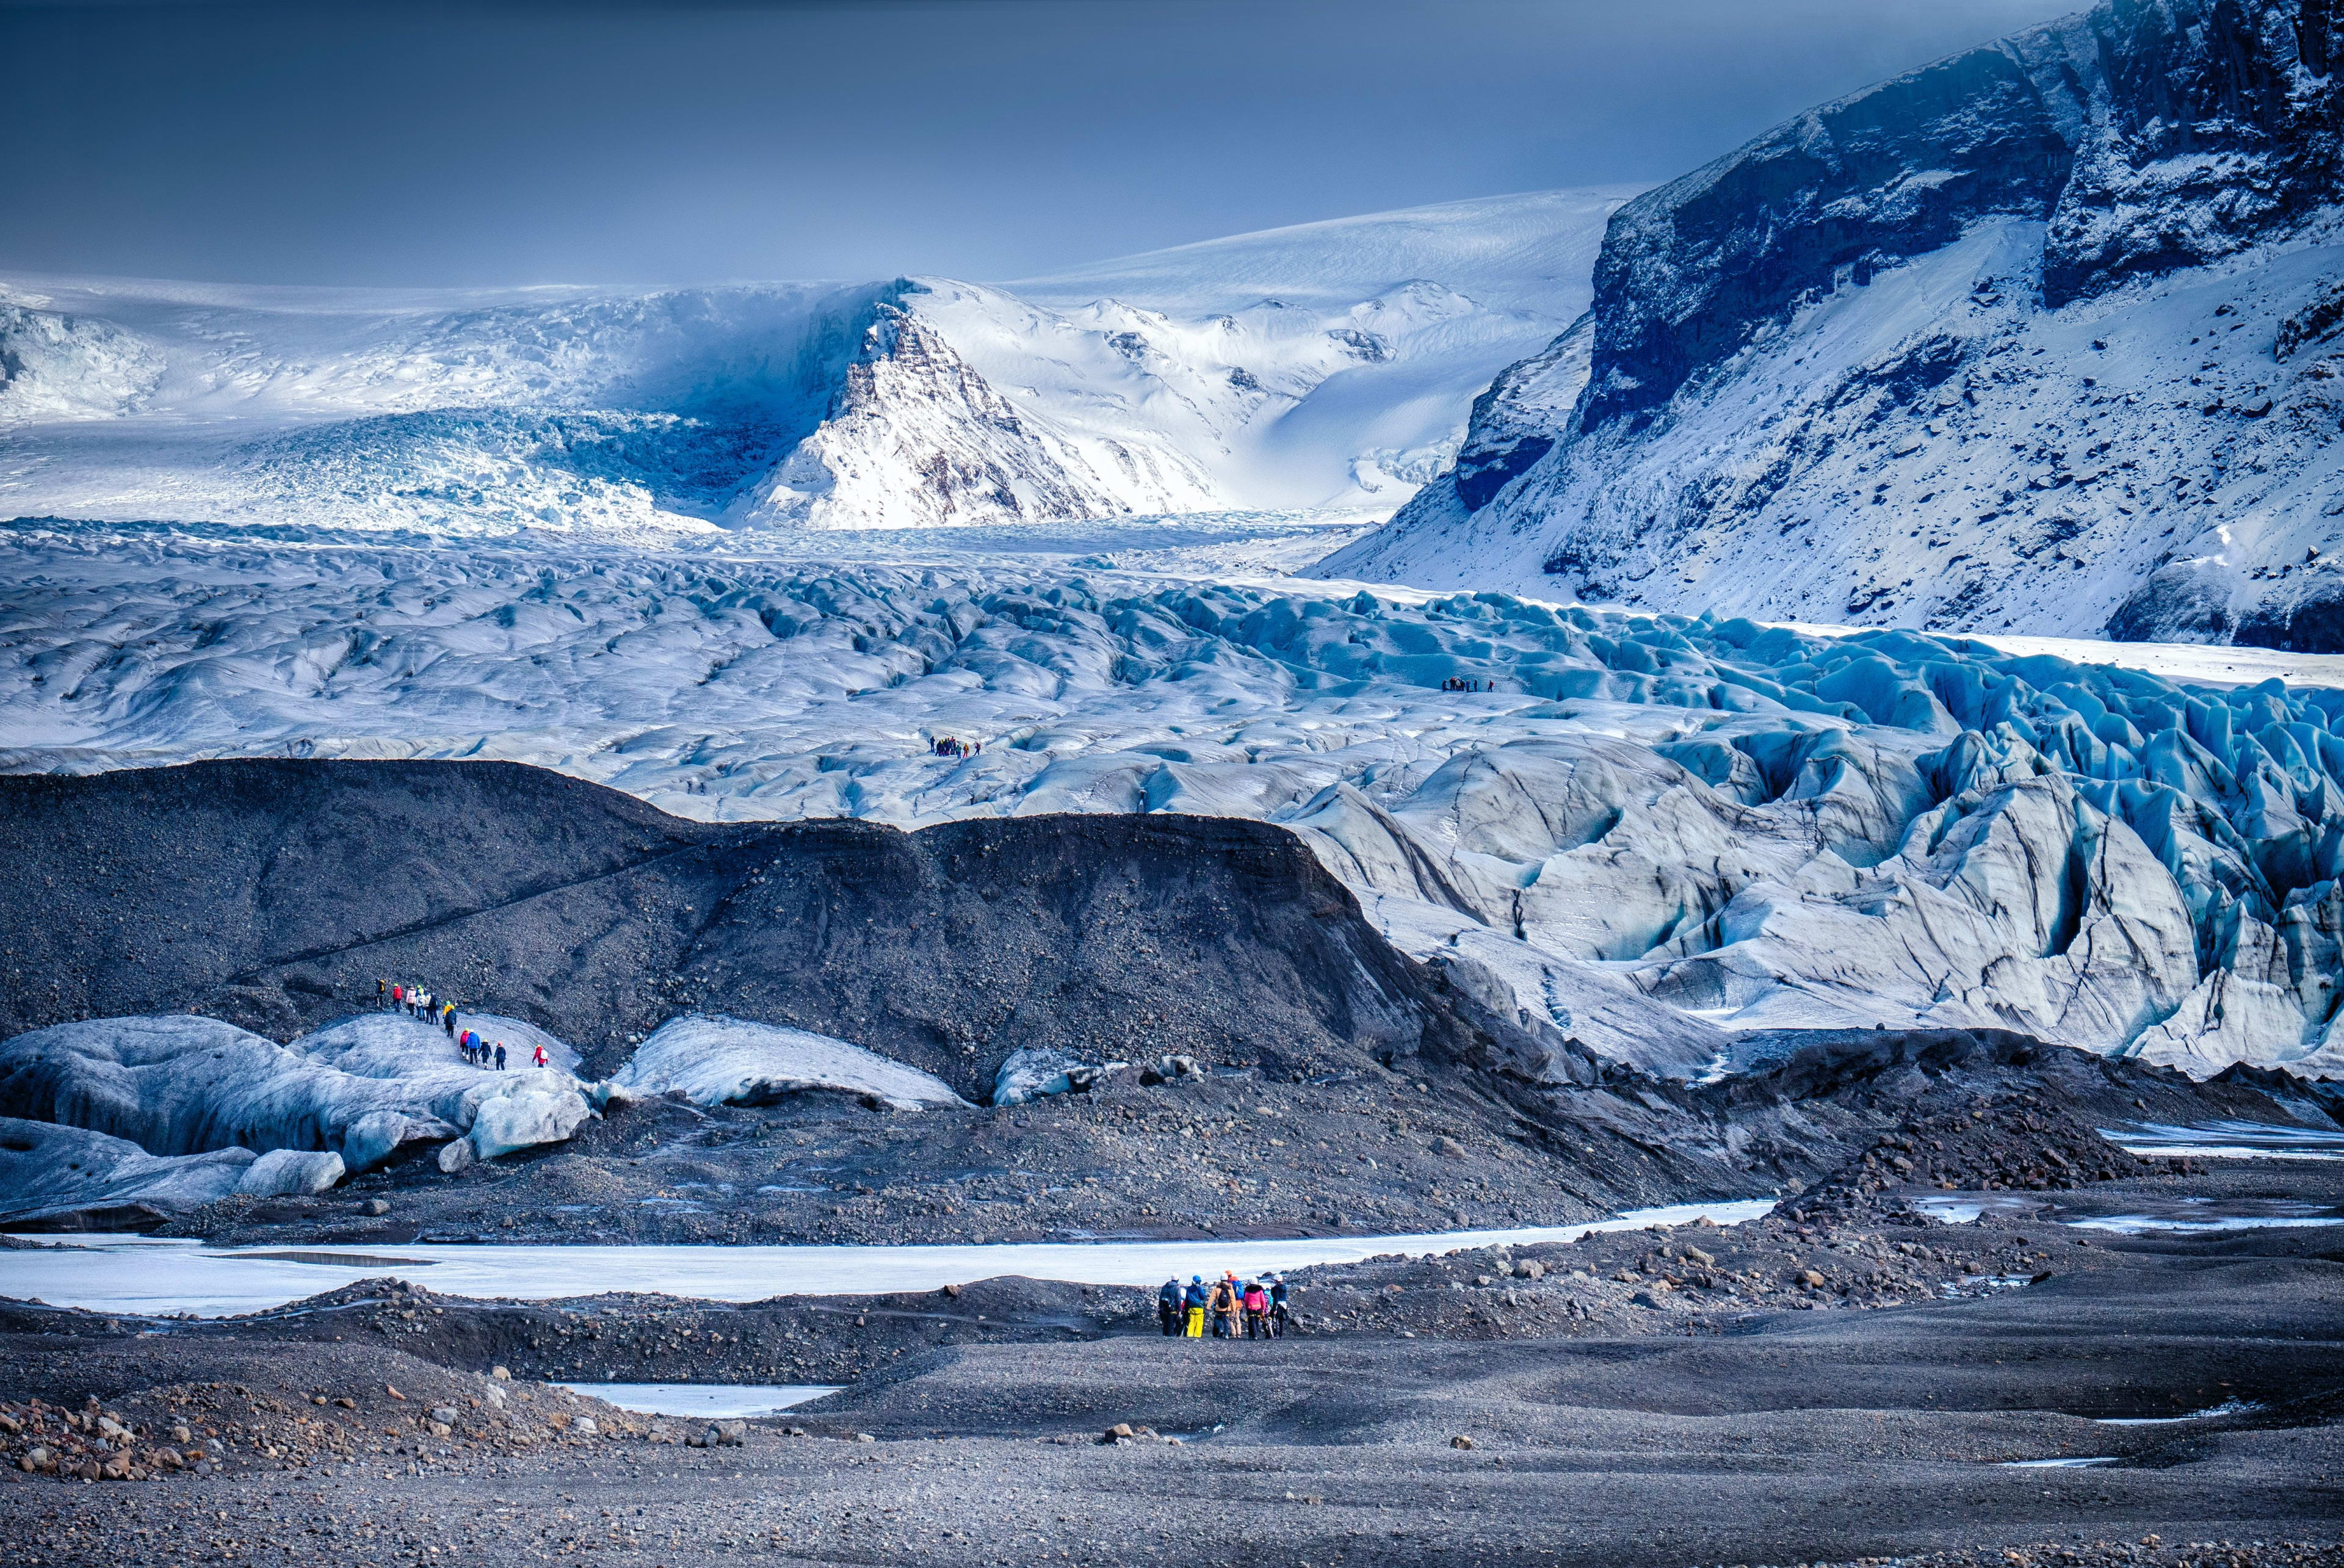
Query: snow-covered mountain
(2042, 336)
(1327, 366)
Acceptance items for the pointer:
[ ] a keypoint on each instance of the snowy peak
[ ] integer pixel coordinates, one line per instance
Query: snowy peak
(2147, 134)
(915, 438)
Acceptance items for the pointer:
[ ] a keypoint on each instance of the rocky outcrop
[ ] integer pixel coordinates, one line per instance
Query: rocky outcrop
(2146, 135)
(917, 437)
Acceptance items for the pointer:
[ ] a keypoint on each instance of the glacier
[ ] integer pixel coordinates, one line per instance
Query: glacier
(376, 1085)
(48, 1170)
(1655, 836)
(1328, 366)
(729, 1061)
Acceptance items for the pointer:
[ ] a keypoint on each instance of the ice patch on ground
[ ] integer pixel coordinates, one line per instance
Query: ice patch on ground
(713, 1401)
(727, 1061)
(1030, 1075)
(136, 1274)
(2229, 1140)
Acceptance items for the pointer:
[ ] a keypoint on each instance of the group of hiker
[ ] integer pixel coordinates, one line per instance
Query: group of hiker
(397, 996)
(1258, 1308)
(1457, 683)
(949, 746)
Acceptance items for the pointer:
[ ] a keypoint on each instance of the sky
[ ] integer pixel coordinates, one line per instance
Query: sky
(599, 141)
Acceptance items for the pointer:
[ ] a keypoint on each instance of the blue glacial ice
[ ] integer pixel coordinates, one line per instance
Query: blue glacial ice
(1656, 834)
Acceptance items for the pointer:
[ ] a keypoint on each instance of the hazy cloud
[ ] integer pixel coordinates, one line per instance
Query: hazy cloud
(533, 142)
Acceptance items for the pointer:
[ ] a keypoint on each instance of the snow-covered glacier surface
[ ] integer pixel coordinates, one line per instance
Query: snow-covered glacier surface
(1329, 366)
(1654, 833)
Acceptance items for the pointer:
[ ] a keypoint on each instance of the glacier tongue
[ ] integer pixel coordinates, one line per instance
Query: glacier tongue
(1642, 835)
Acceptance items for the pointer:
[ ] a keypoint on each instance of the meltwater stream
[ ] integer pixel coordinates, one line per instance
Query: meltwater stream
(137, 1275)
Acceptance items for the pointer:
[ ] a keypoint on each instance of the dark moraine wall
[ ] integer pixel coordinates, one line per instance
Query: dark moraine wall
(275, 892)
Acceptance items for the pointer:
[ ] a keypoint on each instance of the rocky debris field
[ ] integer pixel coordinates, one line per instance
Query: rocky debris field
(1716, 1395)
(1375, 1151)
(2151, 1551)
(1228, 1156)
(2015, 1141)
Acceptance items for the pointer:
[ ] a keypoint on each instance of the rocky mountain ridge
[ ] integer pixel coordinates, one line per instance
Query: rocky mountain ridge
(2029, 339)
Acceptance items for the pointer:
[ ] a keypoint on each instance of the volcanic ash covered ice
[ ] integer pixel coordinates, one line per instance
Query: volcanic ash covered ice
(725, 1061)
(183, 1084)
(47, 1170)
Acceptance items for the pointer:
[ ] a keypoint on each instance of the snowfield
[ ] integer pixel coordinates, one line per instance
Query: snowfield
(1327, 366)
(1658, 835)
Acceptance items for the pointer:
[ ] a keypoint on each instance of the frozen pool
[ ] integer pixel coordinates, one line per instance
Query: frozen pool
(2129, 1214)
(2229, 1140)
(141, 1275)
(709, 1399)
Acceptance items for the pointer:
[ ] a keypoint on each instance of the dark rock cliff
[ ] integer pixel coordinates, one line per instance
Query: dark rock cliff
(275, 893)
(2146, 134)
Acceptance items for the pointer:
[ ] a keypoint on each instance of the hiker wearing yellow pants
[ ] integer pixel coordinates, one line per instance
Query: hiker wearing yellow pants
(1194, 1299)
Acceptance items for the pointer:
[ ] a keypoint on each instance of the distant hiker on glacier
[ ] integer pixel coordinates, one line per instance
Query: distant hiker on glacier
(1167, 1305)
(537, 1057)
(447, 1019)
(500, 1056)
(381, 995)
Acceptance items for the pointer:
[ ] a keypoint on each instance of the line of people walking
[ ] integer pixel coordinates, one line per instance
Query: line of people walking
(397, 996)
(1259, 1309)
(951, 746)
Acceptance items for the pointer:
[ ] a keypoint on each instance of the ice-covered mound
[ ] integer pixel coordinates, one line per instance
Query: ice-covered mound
(727, 1061)
(184, 1085)
(1646, 834)
(394, 1044)
(1030, 1075)
(47, 1170)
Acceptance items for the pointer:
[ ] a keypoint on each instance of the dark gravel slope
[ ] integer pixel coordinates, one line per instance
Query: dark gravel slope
(275, 893)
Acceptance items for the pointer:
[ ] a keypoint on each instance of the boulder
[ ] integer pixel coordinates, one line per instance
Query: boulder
(290, 1172)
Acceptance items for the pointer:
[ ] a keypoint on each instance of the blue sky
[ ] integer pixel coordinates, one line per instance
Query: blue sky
(607, 142)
